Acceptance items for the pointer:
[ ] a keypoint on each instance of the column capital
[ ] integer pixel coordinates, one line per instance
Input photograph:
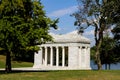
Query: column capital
(56, 47)
(51, 46)
(45, 47)
(80, 47)
(88, 47)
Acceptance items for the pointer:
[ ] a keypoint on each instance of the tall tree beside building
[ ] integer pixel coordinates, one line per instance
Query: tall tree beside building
(93, 13)
(23, 25)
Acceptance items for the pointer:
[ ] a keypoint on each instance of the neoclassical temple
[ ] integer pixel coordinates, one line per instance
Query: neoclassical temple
(67, 52)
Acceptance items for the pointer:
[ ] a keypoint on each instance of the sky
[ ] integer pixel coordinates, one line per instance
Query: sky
(62, 9)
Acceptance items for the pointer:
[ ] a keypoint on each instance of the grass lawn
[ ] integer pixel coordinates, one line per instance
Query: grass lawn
(15, 64)
(56, 75)
(63, 75)
(2, 61)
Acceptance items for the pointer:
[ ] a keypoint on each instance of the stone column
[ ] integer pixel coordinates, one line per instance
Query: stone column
(41, 56)
(79, 56)
(45, 56)
(73, 57)
(63, 56)
(88, 55)
(83, 57)
(38, 59)
(51, 56)
(57, 57)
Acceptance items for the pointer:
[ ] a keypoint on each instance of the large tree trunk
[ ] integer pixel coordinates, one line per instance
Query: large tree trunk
(97, 54)
(98, 38)
(98, 60)
(8, 62)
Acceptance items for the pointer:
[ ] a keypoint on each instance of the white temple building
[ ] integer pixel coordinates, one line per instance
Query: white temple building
(70, 51)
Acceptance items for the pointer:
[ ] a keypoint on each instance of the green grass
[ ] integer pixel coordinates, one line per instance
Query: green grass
(63, 75)
(15, 64)
(2, 61)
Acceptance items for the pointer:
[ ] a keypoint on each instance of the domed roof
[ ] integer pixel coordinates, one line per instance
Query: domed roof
(70, 38)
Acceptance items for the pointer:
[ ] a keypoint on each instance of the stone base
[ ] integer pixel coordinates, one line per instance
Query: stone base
(59, 68)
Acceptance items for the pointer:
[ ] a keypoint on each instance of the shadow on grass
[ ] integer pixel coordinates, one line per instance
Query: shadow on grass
(21, 71)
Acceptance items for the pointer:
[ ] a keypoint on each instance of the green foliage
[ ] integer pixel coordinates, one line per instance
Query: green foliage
(92, 52)
(112, 9)
(106, 50)
(116, 32)
(113, 15)
(109, 51)
(23, 25)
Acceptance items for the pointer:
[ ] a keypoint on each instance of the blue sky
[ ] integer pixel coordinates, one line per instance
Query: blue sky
(62, 9)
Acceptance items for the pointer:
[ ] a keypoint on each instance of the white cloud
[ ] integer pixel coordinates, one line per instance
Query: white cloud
(63, 12)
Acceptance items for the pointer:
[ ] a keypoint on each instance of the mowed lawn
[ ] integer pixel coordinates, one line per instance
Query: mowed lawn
(15, 64)
(63, 75)
(56, 75)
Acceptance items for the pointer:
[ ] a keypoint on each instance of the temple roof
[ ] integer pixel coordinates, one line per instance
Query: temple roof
(69, 38)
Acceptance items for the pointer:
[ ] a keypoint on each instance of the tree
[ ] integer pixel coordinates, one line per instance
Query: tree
(107, 55)
(92, 13)
(23, 26)
(116, 33)
(109, 52)
(113, 10)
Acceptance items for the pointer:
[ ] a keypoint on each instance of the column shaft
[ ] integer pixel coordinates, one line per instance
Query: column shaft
(63, 56)
(80, 61)
(88, 52)
(51, 56)
(57, 57)
(45, 56)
